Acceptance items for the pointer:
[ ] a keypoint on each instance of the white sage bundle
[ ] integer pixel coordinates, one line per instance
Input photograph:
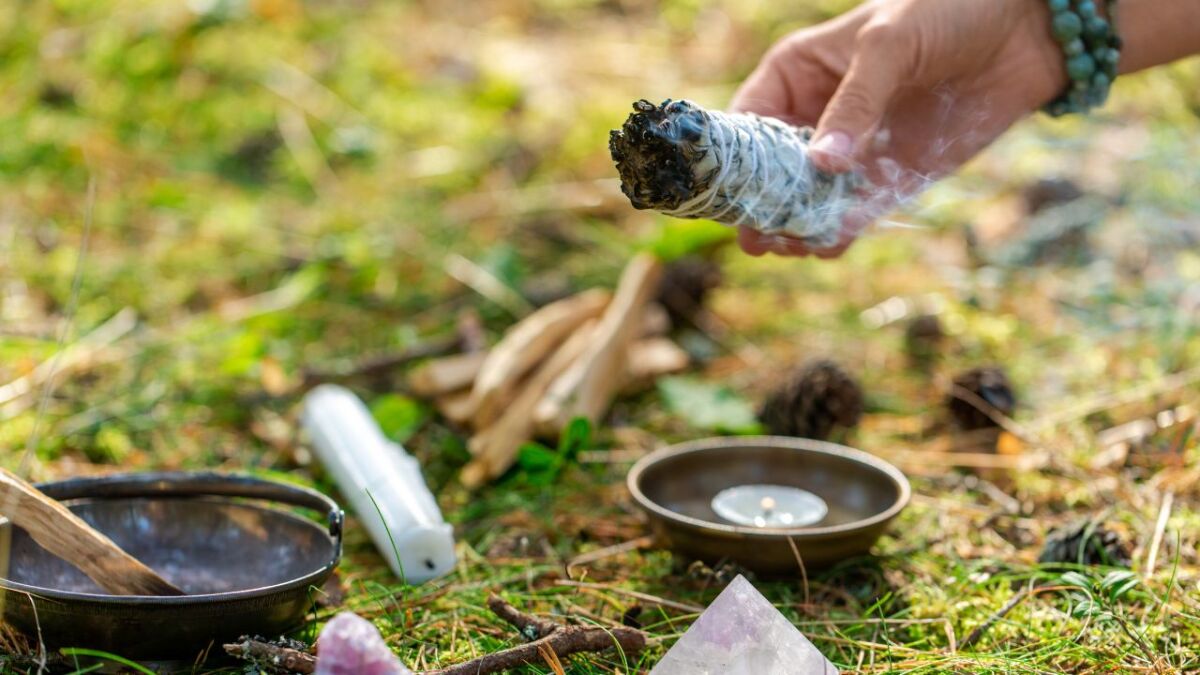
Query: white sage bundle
(737, 169)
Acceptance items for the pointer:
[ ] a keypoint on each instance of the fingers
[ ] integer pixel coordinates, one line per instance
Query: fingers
(757, 244)
(765, 92)
(787, 85)
(862, 98)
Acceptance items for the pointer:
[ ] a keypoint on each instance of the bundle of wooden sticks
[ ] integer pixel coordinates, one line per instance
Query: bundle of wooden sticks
(568, 359)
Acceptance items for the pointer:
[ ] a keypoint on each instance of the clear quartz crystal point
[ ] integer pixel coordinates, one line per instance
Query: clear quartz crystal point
(741, 633)
(351, 645)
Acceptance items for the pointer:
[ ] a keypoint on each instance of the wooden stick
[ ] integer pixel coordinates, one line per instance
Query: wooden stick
(486, 284)
(525, 345)
(588, 387)
(457, 407)
(1160, 528)
(446, 375)
(545, 638)
(67, 536)
(549, 637)
(286, 658)
(650, 358)
(655, 321)
(933, 459)
(14, 396)
(382, 363)
(495, 448)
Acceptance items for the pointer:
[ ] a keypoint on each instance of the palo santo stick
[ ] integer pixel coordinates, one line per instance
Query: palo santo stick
(655, 321)
(495, 448)
(445, 375)
(456, 407)
(587, 388)
(67, 536)
(525, 345)
(440, 377)
(650, 358)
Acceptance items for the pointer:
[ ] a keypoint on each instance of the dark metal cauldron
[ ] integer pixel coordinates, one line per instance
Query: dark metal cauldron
(247, 568)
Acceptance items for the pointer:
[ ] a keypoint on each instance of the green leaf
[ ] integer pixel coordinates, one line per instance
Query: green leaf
(708, 406)
(575, 438)
(539, 463)
(1116, 584)
(537, 457)
(1075, 579)
(677, 238)
(399, 416)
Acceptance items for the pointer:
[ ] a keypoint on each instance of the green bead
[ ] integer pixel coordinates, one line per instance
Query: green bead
(1081, 67)
(1057, 6)
(1066, 26)
(1112, 56)
(1086, 9)
(1097, 97)
(1073, 47)
(1057, 108)
(1097, 27)
(1101, 81)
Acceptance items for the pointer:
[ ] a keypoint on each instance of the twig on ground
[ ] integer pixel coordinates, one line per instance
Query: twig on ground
(284, 658)
(644, 597)
(1113, 399)
(609, 551)
(982, 628)
(548, 638)
(532, 627)
(1003, 421)
(382, 363)
(471, 332)
(487, 284)
(1160, 527)
(1015, 600)
(14, 396)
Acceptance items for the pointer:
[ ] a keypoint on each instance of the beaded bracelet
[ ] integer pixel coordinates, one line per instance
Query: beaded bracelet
(1092, 49)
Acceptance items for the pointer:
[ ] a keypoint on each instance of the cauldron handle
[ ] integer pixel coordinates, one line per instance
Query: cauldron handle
(187, 484)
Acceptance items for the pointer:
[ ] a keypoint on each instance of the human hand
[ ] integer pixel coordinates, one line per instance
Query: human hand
(904, 91)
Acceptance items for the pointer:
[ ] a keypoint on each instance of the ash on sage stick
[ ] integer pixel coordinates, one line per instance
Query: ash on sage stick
(738, 169)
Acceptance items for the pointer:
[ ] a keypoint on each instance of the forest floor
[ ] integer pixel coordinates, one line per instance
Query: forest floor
(277, 186)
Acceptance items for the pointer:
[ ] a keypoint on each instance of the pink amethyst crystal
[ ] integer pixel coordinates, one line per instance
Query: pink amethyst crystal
(741, 633)
(351, 645)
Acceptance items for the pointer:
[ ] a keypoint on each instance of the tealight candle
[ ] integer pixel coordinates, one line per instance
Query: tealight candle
(769, 506)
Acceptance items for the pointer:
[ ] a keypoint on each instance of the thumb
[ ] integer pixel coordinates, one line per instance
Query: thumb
(862, 98)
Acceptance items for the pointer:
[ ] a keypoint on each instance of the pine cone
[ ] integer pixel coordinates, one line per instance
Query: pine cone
(989, 384)
(923, 340)
(817, 398)
(1086, 543)
(685, 285)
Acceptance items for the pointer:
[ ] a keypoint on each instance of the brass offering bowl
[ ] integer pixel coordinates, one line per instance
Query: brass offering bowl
(676, 487)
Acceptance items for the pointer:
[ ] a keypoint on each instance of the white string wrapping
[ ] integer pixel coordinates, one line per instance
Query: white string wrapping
(755, 171)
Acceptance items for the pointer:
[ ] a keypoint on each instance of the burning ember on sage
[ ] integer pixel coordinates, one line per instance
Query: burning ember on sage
(738, 169)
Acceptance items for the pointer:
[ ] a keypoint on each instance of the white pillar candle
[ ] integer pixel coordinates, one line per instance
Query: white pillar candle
(382, 482)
